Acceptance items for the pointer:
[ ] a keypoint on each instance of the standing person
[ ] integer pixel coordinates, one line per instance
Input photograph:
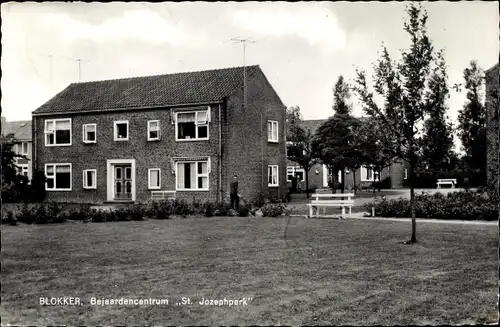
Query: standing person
(235, 197)
(294, 184)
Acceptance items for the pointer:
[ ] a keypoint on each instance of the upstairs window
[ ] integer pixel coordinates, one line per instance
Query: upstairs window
(24, 148)
(121, 130)
(153, 130)
(58, 132)
(192, 125)
(90, 133)
(272, 131)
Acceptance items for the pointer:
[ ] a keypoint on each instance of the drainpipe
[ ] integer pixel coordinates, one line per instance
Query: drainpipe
(220, 195)
(34, 164)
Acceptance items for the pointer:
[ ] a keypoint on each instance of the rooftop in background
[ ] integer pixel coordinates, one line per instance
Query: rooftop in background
(149, 91)
(20, 129)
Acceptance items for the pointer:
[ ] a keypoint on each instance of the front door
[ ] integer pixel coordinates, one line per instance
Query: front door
(123, 182)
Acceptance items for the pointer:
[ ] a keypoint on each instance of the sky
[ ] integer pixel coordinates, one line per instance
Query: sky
(301, 47)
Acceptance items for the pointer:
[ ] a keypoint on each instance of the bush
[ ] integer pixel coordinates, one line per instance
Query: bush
(182, 208)
(428, 179)
(222, 208)
(456, 205)
(274, 209)
(208, 209)
(244, 209)
(197, 207)
(260, 200)
(164, 209)
(9, 219)
(25, 215)
(138, 212)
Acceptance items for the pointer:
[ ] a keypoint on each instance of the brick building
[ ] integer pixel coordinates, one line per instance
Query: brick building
(117, 140)
(492, 137)
(319, 176)
(19, 132)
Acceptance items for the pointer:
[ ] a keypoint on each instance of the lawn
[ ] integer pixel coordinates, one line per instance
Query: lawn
(326, 272)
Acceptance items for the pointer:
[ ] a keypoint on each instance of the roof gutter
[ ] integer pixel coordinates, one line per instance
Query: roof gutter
(126, 109)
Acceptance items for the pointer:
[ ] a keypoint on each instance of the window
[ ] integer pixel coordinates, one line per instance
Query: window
(90, 133)
(24, 148)
(192, 176)
(90, 179)
(367, 174)
(154, 178)
(192, 125)
(272, 175)
(272, 131)
(58, 132)
(406, 174)
(153, 130)
(23, 170)
(292, 171)
(121, 130)
(58, 177)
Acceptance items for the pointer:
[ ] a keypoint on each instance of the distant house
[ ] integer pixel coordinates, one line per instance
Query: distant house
(20, 134)
(320, 176)
(119, 140)
(492, 141)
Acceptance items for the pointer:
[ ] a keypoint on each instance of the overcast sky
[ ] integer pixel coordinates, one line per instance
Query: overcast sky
(301, 47)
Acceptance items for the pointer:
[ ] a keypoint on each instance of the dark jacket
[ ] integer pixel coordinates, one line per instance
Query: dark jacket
(234, 188)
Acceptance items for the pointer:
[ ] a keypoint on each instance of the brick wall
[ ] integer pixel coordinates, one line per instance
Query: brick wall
(147, 154)
(492, 129)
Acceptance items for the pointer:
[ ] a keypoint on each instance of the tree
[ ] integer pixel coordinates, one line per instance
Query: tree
(299, 148)
(375, 146)
(472, 119)
(404, 87)
(10, 180)
(333, 141)
(437, 142)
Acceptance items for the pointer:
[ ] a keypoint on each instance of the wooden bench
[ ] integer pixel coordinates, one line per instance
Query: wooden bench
(446, 181)
(331, 200)
(162, 195)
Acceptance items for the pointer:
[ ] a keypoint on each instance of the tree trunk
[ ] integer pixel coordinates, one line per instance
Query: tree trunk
(307, 183)
(412, 204)
(343, 181)
(379, 180)
(334, 179)
(354, 180)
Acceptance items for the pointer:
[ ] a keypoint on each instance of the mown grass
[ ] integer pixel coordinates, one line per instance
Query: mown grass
(325, 272)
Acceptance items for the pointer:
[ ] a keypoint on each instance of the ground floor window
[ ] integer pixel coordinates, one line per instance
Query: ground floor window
(23, 170)
(154, 178)
(367, 174)
(192, 175)
(58, 177)
(90, 178)
(292, 171)
(272, 175)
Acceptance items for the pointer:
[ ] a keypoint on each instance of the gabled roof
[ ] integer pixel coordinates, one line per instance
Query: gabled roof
(492, 70)
(21, 130)
(149, 92)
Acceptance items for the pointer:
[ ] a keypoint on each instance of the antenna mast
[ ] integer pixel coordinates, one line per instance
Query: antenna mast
(244, 42)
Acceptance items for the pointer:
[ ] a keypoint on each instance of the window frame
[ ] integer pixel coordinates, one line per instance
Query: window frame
(46, 132)
(207, 175)
(274, 138)
(149, 130)
(24, 168)
(115, 130)
(177, 139)
(277, 176)
(364, 171)
(22, 148)
(149, 179)
(54, 177)
(94, 179)
(84, 132)
(295, 169)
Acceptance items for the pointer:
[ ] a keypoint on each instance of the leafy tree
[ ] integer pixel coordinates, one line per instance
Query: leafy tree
(404, 87)
(472, 119)
(437, 142)
(334, 139)
(11, 182)
(376, 146)
(299, 148)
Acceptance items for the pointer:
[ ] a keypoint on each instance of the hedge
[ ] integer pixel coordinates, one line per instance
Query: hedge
(463, 205)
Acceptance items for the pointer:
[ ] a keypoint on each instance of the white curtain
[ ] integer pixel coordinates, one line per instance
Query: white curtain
(62, 169)
(180, 175)
(154, 178)
(63, 125)
(186, 117)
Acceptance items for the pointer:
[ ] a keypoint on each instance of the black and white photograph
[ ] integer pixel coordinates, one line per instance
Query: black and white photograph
(250, 163)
